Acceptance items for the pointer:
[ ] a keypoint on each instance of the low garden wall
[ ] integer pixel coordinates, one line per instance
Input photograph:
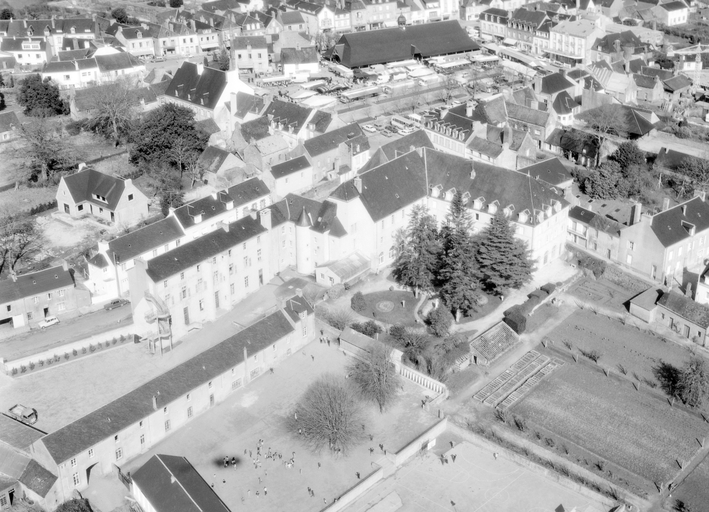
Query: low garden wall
(68, 352)
(358, 490)
(421, 443)
(440, 389)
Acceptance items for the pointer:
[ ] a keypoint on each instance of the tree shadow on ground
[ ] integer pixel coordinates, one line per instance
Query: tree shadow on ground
(668, 376)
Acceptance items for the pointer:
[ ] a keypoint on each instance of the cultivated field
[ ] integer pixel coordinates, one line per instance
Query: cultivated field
(639, 353)
(693, 491)
(635, 430)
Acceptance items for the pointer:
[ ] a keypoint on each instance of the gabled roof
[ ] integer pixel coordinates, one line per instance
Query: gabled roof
(527, 114)
(248, 103)
(505, 186)
(493, 111)
(485, 147)
(140, 241)
(555, 83)
(170, 483)
(242, 42)
(86, 182)
(207, 246)
(321, 121)
(296, 306)
(663, 74)
(135, 405)
(289, 167)
(674, 6)
(202, 89)
(674, 224)
(292, 17)
(564, 104)
(596, 221)
(528, 17)
(350, 134)
(307, 55)
(290, 114)
(677, 83)
(37, 479)
(551, 171)
(390, 45)
(255, 129)
(494, 11)
(17, 434)
(389, 187)
(116, 62)
(645, 82)
(244, 193)
(212, 158)
(35, 283)
(9, 121)
(607, 43)
(685, 307)
(416, 140)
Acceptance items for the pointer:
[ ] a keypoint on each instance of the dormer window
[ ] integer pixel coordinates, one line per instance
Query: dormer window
(436, 191)
(478, 203)
(492, 207)
(100, 198)
(450, 194)
(466, 197)
(691, 228)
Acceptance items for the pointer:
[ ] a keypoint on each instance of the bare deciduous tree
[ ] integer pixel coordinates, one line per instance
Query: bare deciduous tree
(47, 152)
(604, 121)
(20, 240)
(328, 415)
(375, 376)
(114, 108)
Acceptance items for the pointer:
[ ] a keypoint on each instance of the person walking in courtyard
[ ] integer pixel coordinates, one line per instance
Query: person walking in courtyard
(265, 491)
(453, 457)
(495, 455)
(357, 473)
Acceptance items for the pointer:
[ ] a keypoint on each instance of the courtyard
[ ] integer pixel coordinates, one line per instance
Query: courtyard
(258, 412)
(476, 482)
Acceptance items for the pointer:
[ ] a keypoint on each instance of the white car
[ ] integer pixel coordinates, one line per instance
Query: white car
(405, 131)
(369, 128)
(50, 320)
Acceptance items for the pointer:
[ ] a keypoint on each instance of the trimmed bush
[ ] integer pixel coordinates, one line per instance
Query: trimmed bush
(439, 321)
(358, 302)
(336, 291)
(516, 321)
(549, 288)
(369, 328)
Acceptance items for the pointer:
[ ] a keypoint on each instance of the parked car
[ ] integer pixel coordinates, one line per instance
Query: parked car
(115, 303)
(24, 414)
(369, 128)
(405, 131)
(49, 320)
(387, 132)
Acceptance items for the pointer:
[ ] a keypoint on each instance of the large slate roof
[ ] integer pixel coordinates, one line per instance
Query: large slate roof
(360, 49)
(126, 247)
(211, 244)
(289, 167)
(29, 285)
(86, 182)
(203, 89)
(551, 171)
(132, 407)
(672, 225)
(332, 139)
(596, 221)
(389, 187)
(171, 484)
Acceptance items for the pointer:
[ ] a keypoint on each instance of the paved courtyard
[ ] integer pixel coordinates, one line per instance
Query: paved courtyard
(475, 482)
(259, 412)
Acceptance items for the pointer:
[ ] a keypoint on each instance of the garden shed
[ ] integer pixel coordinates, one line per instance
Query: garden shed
(644, 304)
(684, 316)
(491, 344)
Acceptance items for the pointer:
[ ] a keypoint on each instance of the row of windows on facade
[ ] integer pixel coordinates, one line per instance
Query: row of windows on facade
(185, 292)
(235, 384)
(36, 299)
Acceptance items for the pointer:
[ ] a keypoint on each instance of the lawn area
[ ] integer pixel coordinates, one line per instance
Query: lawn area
(638, 352)
(387, 307)
(485, 310)
(25, 198)
(693, 491)
(637, 431)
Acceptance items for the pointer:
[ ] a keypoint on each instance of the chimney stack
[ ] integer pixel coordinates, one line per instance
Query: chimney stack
(155, 402)
(635, 213)
(357, 182)
(665, 204)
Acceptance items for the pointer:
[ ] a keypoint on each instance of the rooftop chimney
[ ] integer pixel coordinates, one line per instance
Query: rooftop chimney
(155, 402)
(357, 182)
(635, 213)
(665, 203)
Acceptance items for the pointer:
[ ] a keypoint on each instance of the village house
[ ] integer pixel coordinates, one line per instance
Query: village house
(9, 126)
(113, 199)
(27, 299)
